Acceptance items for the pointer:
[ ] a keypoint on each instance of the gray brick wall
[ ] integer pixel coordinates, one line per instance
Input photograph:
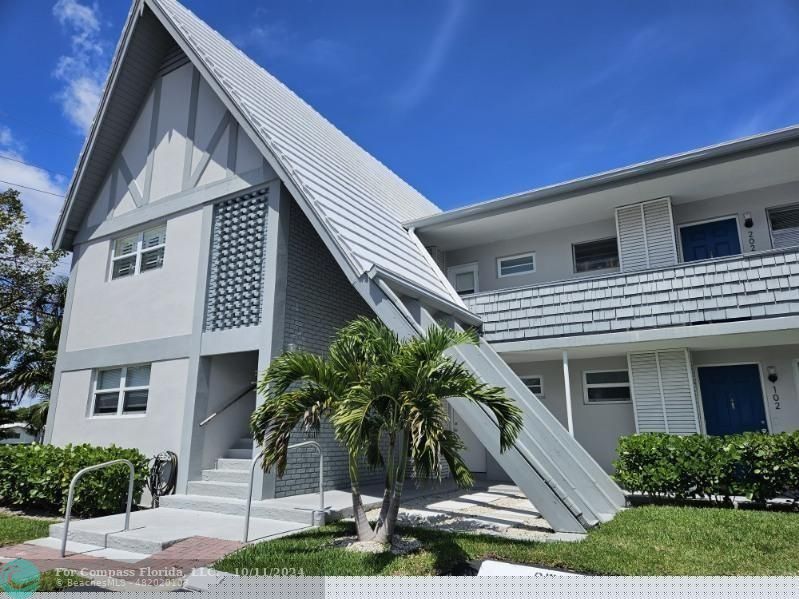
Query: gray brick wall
(756, 286)
(319, 300)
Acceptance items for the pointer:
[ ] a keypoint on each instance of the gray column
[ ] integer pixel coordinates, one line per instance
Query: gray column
(274, 305)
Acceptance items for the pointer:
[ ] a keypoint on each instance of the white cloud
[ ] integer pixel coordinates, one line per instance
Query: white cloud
(83, 70)
(41, 208)
(421, 82)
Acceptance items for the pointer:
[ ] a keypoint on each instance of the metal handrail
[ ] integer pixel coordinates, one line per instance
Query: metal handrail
(228, 404)
(71, 496)
(252, 475)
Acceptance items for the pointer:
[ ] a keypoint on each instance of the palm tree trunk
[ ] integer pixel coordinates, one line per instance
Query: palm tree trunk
(386, 533)
(362, 527)
(390, 479)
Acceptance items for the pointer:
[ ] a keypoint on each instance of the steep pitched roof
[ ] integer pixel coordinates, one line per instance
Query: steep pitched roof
(358, 201)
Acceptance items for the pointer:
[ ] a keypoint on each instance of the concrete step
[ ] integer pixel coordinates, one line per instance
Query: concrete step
(237, 507)
(119, 555)
(126, 541)
(238, 454)
(152, 531)
(243, 443)
(218, 489)
(233, 464)
(227, 476)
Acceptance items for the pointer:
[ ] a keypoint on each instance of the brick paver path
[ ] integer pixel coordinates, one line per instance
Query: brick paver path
(173, 562)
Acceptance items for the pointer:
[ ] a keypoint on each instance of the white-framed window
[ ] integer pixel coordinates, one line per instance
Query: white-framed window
(606, 386)
(119, 391)
(138, 252)
(783, 223)
(535, 383)
(520, 264)
(464, 278)
(600, 254)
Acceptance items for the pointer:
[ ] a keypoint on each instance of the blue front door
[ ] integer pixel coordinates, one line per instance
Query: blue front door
(732, 398)
(710, 240)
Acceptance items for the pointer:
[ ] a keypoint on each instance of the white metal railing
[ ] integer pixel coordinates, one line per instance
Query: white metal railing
(318, 447)
(71, 496)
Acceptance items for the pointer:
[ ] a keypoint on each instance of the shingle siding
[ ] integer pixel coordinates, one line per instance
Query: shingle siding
(741, 288)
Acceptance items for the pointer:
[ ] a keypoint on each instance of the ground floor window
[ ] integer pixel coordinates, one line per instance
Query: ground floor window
(606, 386)
(122, 390)
(535, 383)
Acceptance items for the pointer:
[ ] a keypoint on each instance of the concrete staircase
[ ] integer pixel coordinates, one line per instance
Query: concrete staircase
(223, 490)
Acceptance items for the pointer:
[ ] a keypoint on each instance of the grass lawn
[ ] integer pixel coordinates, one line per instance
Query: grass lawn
(18, 529)
(649, 540)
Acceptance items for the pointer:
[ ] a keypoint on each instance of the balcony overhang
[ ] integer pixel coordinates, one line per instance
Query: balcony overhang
(736, 167)
(713, 336)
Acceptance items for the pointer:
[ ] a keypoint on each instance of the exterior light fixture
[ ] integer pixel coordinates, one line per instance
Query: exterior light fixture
(772, 374)
(748, 222)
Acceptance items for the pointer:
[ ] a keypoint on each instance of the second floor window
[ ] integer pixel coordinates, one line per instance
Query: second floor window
(464, 278)
(784, 225)
(596, 255)
(138, 252)
(515, 265)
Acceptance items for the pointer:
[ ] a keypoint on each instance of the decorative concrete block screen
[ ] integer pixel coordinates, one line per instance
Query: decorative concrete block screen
(238, 245)
(760, 285)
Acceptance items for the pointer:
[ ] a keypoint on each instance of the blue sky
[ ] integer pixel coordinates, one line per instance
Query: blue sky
(466, 100)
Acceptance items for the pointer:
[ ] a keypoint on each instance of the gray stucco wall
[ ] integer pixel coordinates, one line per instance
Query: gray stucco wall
(553, 249)
(319, 300)
(596, 426)
(156, 430)
(781, 397)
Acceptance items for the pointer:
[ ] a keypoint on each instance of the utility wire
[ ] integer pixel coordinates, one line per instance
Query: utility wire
(58, 195)
(7, 157)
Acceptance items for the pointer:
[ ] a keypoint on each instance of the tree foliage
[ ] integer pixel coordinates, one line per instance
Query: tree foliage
(31, 306)
(386, 399)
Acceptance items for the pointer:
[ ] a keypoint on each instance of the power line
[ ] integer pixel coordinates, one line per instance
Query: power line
(58, 195)
(7, 157)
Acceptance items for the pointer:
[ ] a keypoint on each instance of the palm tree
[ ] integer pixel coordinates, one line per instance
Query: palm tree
(386, 400)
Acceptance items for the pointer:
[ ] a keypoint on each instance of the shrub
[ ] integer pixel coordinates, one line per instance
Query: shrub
(38, 477)
(755, 465)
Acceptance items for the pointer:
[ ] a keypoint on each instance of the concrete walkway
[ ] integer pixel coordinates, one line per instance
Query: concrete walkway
(493, 509)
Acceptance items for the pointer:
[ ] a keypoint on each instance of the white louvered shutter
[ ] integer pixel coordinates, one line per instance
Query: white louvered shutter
(677, 385)
(646, 235)
(663, 393)
(632, 243)
(647, 399)
(661, 246)
(784, 223)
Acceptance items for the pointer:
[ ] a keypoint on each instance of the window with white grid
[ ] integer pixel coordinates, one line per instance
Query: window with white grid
(138, 252)
(121, 391)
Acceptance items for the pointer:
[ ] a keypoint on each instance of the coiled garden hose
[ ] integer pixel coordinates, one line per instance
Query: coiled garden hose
(163, 476)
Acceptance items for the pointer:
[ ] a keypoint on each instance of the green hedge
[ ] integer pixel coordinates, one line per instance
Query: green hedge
(754, 465)
(38, 477)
